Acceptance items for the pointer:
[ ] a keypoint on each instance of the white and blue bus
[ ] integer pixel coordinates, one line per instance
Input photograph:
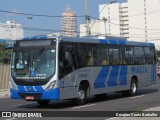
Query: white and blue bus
(56, 68)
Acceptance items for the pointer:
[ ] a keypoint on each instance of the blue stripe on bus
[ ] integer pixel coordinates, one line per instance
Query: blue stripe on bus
(39, 88)
(144, 44)
(123, 75)
(112, 81)
(103, 41)
(113, 41)
(153, 72)
(151, 44)
(30, 88)
(53, 94)
(101, 78)
(21, 88)
(121, 42)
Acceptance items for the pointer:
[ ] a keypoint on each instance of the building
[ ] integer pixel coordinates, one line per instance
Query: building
(136, 20)
(69, 23)
(109, 13)
(144, 21)
(94, 28)
(11, 30)
(113, 21)
(124, 21)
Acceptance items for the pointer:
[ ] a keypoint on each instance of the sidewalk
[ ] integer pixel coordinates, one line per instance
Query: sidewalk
(4, 93)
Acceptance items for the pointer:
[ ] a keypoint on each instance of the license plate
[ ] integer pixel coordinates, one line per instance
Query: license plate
(29, 97)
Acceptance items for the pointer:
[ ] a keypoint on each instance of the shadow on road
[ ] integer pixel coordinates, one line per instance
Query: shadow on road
(59, 105)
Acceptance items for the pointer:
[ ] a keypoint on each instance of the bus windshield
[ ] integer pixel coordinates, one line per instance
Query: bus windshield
(33, 63)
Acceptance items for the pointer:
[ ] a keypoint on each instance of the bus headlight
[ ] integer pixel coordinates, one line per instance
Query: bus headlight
(51, 86)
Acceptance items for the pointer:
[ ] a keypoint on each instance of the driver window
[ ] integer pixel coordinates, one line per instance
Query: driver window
(66, 59)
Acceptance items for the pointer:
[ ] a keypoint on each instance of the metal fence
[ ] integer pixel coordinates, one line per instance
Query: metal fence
(4, 76)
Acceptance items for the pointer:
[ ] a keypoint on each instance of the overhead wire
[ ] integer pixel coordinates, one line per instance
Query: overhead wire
(119, 24)
(37, 15)
(51, 30)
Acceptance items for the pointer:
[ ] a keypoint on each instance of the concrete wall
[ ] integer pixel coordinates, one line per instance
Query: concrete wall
(4, 76)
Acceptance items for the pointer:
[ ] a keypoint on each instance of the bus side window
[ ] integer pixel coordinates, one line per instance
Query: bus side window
(90, 60)
(81, 54)
(127, 55)
(114, 56)
(104, 54)
(100, 53)
(149, 55)
(138, 55)
(85, 55)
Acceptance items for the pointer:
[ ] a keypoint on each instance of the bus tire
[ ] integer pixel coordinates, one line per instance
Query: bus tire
(133, 89)
(43, 102)
(82, 94)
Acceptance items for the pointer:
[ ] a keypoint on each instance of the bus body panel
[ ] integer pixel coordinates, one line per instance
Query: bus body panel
(102, 79)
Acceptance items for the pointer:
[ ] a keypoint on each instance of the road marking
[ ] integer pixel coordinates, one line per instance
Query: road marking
(157, 108)
(156, 85)
(23, 104)
(11, 119)
(83, 106)
(138, 96)
(110, 118)
(17, 105)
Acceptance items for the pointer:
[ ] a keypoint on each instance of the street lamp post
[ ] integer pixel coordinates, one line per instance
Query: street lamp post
(30, 26)
(105, 19)
(87, 19)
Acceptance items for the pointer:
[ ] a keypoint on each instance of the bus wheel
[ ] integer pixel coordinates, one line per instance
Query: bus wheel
(43, 102)
(133, 89)
(82, 93)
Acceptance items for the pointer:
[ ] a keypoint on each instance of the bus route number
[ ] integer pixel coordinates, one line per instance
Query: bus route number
(82, 75)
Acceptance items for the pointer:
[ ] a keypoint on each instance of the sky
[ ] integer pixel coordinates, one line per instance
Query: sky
(46, 7)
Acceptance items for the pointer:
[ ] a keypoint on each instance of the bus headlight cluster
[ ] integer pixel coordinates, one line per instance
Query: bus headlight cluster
(51, 86)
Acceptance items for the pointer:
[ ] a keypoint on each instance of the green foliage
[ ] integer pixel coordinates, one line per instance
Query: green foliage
(158, 54)
(1, 52)
(5, 55)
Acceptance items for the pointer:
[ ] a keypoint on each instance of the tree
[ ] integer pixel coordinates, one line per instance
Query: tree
(5, 55)
(1, 52)
(158, 54)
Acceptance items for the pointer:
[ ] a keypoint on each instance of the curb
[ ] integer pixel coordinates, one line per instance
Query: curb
(4, 93)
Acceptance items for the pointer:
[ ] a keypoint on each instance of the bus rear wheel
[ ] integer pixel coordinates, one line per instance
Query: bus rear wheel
(133, 89)
(43, 102)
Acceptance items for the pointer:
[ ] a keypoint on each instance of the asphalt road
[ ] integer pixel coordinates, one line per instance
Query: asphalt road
(148, 97)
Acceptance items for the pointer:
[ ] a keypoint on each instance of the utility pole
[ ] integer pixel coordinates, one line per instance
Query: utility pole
(30, 18)
(105, 19)
(87, 19)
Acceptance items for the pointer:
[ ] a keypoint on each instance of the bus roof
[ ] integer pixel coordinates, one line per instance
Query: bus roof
(93, 39)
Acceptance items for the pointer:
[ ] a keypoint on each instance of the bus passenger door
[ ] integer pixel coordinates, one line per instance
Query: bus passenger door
(67, 66)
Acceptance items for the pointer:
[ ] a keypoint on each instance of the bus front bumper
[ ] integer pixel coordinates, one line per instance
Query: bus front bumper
(45, 95)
